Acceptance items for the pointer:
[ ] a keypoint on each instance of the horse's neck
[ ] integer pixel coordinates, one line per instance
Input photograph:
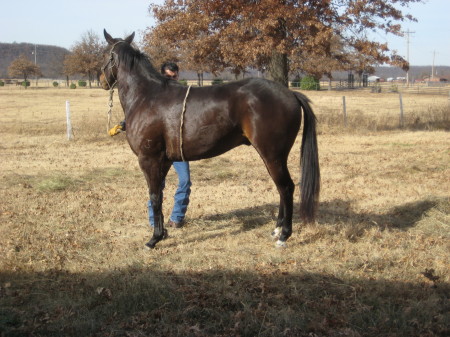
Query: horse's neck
(131, 84)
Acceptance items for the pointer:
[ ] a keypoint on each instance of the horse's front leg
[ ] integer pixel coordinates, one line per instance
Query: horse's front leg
(155, 171)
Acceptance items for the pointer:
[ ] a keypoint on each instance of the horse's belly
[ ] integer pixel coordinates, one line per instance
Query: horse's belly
(210, 142)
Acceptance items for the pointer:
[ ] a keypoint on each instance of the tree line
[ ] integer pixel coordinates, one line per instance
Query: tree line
(279, 38)
(84, 59)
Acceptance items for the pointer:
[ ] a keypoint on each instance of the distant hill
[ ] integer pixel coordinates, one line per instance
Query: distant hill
(49, 58)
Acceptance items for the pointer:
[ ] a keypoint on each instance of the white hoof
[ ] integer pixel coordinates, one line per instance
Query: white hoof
(276, 233)
(281, 244)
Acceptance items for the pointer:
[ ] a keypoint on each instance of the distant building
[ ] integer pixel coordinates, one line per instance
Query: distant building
(373, 79)
(435, 79)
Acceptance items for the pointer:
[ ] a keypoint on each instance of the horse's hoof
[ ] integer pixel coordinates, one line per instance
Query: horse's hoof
(276, 233)
(165, 234)
(281, 244)
(150, 245)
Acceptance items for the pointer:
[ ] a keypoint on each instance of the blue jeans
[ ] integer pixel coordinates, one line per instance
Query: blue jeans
(181, 196)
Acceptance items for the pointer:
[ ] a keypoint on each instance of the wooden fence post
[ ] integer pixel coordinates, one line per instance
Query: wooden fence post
(401, 110)
(344, 107)
(69, 123)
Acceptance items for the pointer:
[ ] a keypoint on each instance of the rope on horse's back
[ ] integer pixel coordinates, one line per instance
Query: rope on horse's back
(181, 123)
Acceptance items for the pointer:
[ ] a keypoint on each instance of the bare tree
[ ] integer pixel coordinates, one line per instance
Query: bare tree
(23, 67)
(86, 57)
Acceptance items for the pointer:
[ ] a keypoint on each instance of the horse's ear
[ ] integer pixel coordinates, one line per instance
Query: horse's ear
(130, 38)
(108, 37)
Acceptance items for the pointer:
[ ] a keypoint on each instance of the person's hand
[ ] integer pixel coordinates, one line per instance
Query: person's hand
(115, 130)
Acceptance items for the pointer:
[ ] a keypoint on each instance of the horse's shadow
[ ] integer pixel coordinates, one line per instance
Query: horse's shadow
(250, 217)
(400, 217)
(330, 213)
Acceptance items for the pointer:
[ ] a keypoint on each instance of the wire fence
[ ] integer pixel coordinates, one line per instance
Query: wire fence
(366, 110)
(384, 87)
(374, 107)
(434, 88)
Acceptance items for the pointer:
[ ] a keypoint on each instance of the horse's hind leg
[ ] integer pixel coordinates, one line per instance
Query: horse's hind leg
(280, 174)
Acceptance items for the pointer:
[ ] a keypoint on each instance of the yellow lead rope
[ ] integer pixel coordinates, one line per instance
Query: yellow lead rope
(110, 104)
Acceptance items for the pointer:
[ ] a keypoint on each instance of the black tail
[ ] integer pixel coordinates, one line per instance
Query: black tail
(309, 162)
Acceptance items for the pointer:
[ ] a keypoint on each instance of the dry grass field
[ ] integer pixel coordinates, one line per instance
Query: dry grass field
(74, 223)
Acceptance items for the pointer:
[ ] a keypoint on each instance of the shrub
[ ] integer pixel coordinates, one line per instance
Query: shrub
(2, 83)
(26, 83)
(72, 86)
(82, 83)
(216, 81)
(394, 88)
(55, 84)
(183, 82)
(376, 89)
(309, 83)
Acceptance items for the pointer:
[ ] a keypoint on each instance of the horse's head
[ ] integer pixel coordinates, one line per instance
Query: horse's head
(108, 78)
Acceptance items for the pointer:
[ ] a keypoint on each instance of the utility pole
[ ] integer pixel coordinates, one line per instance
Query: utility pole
(432, 66)
(407, 33)
(35, 61)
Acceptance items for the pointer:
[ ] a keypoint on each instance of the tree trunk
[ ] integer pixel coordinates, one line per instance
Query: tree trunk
(278, 68)
(200, 78)
(90, 79)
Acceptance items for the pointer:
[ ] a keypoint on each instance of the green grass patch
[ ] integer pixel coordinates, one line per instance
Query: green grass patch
(106, 173)
(55, 183)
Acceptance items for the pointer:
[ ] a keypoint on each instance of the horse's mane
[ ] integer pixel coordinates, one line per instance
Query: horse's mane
(132, 57)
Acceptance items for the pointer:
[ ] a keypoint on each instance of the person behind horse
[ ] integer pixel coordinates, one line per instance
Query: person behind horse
(181, 197)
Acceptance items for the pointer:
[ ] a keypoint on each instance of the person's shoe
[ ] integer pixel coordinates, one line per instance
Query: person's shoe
(115, 130)
(175, 224)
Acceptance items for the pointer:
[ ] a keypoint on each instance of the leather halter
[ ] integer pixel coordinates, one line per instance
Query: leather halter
(111, 62)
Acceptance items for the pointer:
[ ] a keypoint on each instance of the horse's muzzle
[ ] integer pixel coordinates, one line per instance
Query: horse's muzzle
(104, 82)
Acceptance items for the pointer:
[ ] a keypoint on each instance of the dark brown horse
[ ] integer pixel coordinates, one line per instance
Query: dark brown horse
(168, 122)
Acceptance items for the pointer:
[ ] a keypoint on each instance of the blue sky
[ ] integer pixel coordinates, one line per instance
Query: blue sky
(63, 22)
